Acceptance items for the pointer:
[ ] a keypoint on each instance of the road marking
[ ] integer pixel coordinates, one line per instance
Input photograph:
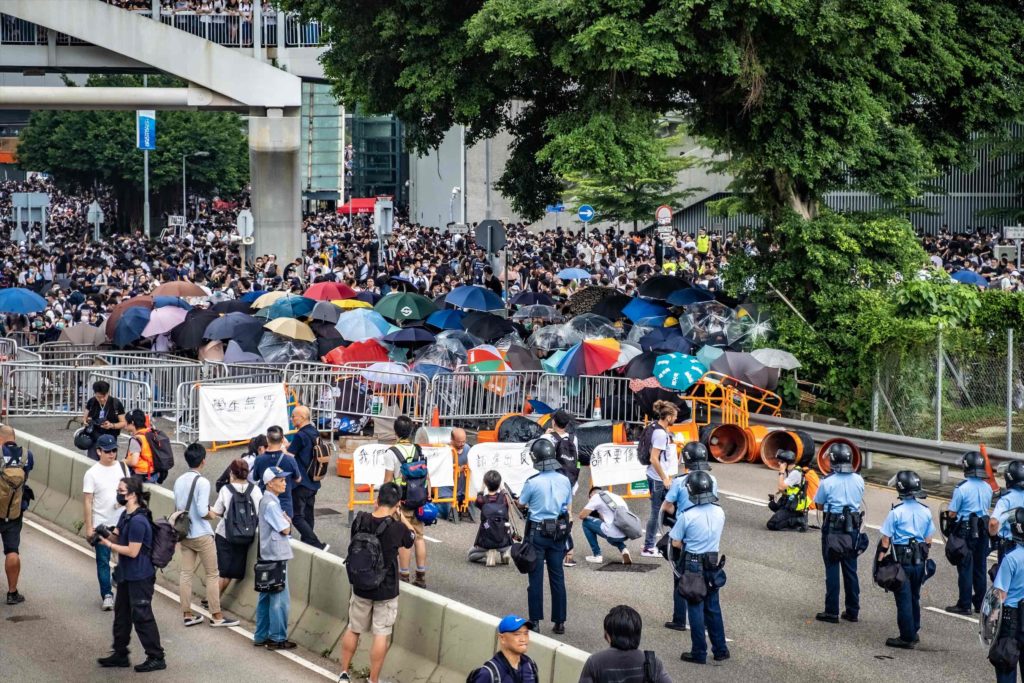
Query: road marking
(432, 540)
(174, 596)
(973, 620)
(742, 498)
(748, 502)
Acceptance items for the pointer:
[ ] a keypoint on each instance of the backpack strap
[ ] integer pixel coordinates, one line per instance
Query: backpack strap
(608, 500)
(124, 468)
(649, 666)
(192, 493)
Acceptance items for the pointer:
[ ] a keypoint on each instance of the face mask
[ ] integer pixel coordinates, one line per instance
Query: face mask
(122, 499)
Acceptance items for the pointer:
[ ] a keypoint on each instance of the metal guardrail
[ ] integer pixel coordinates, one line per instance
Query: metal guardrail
(133, 393)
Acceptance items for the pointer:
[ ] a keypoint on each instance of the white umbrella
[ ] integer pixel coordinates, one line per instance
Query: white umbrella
(776, 358)
(387, 373)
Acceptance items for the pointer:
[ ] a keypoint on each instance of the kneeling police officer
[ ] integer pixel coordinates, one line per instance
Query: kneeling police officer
(791, 507)
(840, 495)
(1005, 653)
(967, 521)
(1011, 498)
(908, 530)
(547, 496)
(698, 533)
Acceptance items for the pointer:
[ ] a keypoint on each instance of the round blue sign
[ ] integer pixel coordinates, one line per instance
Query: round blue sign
(586, 213)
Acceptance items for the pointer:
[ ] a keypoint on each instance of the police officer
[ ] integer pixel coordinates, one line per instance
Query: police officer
(839, 496)
(698, 533)
(1009, 499)
(968, 513)
(695, 458)
(908, 530)
(1009, 588)
(790, 511)
(547, 496)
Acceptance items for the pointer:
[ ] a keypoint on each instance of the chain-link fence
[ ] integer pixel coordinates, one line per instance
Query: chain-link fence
(979, 378)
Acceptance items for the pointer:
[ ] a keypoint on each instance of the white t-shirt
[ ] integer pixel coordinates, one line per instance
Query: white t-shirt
(224, 502)
(794, 478)
(607, 514)
(101, 481)
(662, 440)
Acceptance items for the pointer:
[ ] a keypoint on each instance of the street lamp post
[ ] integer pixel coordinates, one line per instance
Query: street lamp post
(184, 188)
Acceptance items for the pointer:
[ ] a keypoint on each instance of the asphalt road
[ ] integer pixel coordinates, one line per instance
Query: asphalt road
(775, 587)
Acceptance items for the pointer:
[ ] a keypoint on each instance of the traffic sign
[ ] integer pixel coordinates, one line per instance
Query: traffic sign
(244, 223)
(555, 208)
(586, 213)
(490, 235)
(663, 214)
(1013, 232)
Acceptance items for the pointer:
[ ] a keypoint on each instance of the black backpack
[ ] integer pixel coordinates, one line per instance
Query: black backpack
(365, 561)
(240, 520)
(493, 533)
(643, 446)
(565, 449)
(165, 539)
(492, 669)
(160, 445)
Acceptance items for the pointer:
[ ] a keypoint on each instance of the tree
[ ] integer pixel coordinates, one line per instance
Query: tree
(83, 148)
(803, 96)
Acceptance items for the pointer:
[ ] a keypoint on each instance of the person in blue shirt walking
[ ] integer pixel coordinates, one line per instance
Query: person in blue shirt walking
(908, 530)
(304, 493)
(1010, 499)
(547, 496)
(677, 500)
(698, 533)
(275, 456)
(839, 496)
(1009, 589)
(968, 513)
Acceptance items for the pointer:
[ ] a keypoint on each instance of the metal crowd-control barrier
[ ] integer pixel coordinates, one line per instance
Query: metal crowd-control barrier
(365, 393)
(466, 395)
(41, 390)
(133, 393)
(8, 349)
(591, 397)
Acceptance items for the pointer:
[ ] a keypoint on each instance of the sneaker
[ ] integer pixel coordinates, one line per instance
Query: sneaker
(192, 620)
(343, 677)
(649, 552)
(568, 562)
(506, 557)
(114, 661)
(151, 664)
(421, 580)
(15, 598)
(108, 603)
(595, 559)
(215, 623)
(281, 645)
(626, 559)
(492, 558)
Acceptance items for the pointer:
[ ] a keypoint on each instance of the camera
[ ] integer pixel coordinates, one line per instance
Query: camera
(101, 531)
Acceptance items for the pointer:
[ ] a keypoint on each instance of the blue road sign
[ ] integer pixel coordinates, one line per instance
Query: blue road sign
(145, 129)
(586, 213)
(555, 208)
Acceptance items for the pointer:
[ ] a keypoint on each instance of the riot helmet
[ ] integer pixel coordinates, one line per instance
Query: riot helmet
(1016, 520)
(788, 457)
(1015, 475)
(840, 457)
(544, 454)
(695, 456)
(700, 488)
(973, 463)
(908, 485)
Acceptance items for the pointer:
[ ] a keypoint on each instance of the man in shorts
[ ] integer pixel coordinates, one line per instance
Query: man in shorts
(402, 452)
(375, 611)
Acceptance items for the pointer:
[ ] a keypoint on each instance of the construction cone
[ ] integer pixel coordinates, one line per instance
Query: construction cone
(597, 408)
(527, 408)
(435, 417)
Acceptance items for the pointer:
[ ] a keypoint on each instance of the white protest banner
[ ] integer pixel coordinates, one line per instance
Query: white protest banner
(232, 412)
(441, 463)
(612, 464)
(371, 461)
(511, 460)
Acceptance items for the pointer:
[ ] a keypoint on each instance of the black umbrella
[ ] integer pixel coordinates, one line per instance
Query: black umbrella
(409, 337)
(231, 325)
(191, 333)
(325, 345)
(487, 326)
(529, 298)
(521, 358)
(661, 287)
(642, 366)
(587, 298)
(324, 330)
(401, 284)
(441, 304)
(611, 306)
(665, 340)
(232, 306)
(369, 297)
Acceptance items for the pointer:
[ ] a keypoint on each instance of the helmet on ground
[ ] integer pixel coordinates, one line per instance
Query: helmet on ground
(700, 488)
(1015, 475)
(973, 463)
(427, 513)
(1016, 520)
(908, 485)
(544, 454)
(695, 456)
(788, 457)
(840, 457)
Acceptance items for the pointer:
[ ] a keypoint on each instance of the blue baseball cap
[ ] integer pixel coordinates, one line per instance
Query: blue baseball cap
(106, 443)
(513, 623)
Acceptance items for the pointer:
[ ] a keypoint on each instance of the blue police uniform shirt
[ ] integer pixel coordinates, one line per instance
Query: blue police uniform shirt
(839, 490)
(700, 528)
(971, 495)
(910, 519)
(547, 495)
(1011, 500)
(1010, 577)
(680, 497)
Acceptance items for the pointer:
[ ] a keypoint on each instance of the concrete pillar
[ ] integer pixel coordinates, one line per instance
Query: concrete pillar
(276, 191)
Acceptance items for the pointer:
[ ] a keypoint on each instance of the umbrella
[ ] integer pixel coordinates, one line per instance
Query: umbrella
(291, 328)
(387, 373)
(369, 351)
(521, 358)
(689, 296)
(290, 307)
(627, 353)
(447, 319)
(487, 326)
(269, 299)
(440, 355)
(475, 298)
(325, 311)
(362, 324)
(324, 330)
(82, 334)
(180, 288)
(20, 300)
(612, 306)
(409, 337)
(234, 354)
(234, 326)
(399, 307)
(163, 301)
(551, 363)
(638, 309)
(573, 274)
(212, 352)
(325, 291)
(458, 342)
(369, 297)
(678, 371)
(709, 354)
(486, 358)
(746, 368)
(429, 369)
(969, 277)
(119, 310)
(642, 366)
(218, 296)
(248, 298)
(130, 326)
(665, 340)
(349, 304)
(232, 306)
(589, 326)
(528, 298)
(590, 357)
(538, 312)
(661, 287)
(754, 325)
(277, 349)
(548, 338)
(402, 284)
(163, 320)
(587, 298)
(190, 333)
(776, 358)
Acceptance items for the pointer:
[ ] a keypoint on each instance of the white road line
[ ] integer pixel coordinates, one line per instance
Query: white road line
(748, 502)
(173, 596)
(432, 540)
(973, 620)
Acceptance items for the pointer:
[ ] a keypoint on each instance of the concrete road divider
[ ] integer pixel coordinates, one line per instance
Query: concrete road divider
(326, 616)
(39, 474)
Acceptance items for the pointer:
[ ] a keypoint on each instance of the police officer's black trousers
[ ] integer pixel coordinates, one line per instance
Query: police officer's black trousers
(908, 602)
(971, 573)
(851, 584)
(1011, 676)
(785, 520)
(133, 606)
(551, 553)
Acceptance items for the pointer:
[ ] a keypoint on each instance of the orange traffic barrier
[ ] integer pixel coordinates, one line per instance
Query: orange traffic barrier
(726, 443)
(344, 466)
(799, 442)
(435, 417)
(823, 463)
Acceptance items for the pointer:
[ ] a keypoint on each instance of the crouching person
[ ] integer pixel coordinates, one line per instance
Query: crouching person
(494, 537)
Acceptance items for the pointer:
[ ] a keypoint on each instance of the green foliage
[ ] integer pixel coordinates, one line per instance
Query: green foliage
(938, 300)
(999, 311)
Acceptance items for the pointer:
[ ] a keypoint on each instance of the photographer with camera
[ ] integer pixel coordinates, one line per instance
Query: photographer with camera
(135, 577)
(104, 414)
(99, 496)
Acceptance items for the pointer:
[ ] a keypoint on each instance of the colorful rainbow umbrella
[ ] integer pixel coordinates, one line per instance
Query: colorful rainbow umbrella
(590, 357)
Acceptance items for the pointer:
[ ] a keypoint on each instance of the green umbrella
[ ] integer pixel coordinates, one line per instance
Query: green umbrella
(402, 306)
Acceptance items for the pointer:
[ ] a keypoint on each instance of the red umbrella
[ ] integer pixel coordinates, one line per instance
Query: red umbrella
(369, 351)
(115, 315)
(326, 291)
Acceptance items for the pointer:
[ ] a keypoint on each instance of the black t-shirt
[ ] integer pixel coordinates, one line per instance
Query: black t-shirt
(394, 536)
(112, 412)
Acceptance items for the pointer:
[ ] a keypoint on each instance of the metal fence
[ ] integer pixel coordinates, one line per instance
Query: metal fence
(980, 382)
(52, 390)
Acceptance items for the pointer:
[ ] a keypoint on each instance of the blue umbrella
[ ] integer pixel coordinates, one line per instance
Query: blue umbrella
(20, 300)
(130, 326)
(161, 301)
(474, 298)
(249, 297)
(665, 340)
(431, 370)
(446, 319)
(638, 309)
(361, 324)
(573, 274)
(409, 337)
(678, 371)
(689, 296)
(290, 307)
(969, 277)
(369, 297)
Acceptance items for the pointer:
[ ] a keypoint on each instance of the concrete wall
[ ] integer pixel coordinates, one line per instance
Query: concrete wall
(436, 640)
